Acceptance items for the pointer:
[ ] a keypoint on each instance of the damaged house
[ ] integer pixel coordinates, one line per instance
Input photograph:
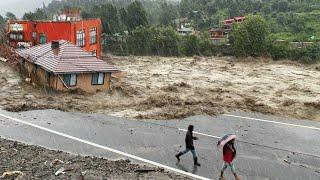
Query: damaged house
(62, 66)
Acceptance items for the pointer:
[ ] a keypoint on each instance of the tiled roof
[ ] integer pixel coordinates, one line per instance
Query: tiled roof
(70, 59)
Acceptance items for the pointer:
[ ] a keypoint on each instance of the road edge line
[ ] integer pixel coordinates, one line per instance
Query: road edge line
(107, 148)
(275, 122)
(216, 137)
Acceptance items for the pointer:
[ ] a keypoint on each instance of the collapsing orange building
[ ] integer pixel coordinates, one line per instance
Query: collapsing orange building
(66, 26)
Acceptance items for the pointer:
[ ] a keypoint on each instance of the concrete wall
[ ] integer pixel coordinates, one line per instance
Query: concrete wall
(86, 26)
(37, 75)
(60, 30)
(84, 83)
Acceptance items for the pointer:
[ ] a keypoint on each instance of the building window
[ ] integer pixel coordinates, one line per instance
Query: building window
(80, 38)
(97, 79)
(42, 38)
(34, 35)
(16, 36)
(70, 79)
(93, 35)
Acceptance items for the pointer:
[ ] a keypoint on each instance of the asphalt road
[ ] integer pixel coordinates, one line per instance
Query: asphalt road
(268, 147)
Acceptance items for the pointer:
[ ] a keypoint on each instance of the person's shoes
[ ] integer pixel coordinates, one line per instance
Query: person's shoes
(196, 162)
(178, 156)
(237, 177)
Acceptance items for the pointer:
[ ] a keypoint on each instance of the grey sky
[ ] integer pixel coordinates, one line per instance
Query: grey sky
(19, 7)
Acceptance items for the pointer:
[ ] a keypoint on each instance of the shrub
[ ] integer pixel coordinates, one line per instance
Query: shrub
(190, 45)
(206, 48)
(308, 55)
(139, 41)
(153, 41)
(279, 51)
(164, 41)
(250, 37)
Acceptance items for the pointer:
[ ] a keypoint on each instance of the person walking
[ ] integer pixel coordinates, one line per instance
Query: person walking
(189, 146)
(229, 153)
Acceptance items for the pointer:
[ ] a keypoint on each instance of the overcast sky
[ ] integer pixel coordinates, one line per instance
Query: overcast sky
(19, 7)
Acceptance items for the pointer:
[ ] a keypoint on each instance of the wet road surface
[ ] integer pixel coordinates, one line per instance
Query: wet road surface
(266, 149)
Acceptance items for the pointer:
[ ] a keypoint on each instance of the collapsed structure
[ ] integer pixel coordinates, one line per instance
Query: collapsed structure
(62, 66)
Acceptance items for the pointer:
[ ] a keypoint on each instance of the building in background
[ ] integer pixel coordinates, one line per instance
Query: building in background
(221, 35)
(227, 24)
(217, 35)
(184, 31)
(65, 26)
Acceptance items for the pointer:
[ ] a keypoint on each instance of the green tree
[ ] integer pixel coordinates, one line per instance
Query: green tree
(154, 41)
(108, 14)
(205, 45)
(308, 55)
(251, 37)
(139, 41)
(190, 45)
(123, 17)
(10, 15)
(280, 6)
(221, 15)
(2, 24)
(2, 30)
(187, 7)
(2, 21)
(164, 41)
(167, 15)
(136, 16)
(39, 14)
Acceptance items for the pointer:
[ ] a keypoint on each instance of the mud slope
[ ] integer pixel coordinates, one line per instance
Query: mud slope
(169, 88)
(21, 161)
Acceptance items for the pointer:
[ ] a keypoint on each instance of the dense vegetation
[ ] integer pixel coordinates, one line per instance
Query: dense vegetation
(163, 41)
(155, 21)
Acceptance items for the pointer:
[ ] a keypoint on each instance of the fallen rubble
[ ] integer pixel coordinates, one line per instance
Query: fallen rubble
(21, 161)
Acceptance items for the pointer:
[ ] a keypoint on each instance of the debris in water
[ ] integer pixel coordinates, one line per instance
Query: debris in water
(12, 174)
(60, 171)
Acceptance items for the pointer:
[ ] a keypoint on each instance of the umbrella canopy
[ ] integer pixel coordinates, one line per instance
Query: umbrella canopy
(225, 139)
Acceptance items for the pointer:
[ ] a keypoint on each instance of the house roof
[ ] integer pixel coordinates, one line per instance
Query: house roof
(216, 30)
(240, 18)
(184, 29)
(70, 59)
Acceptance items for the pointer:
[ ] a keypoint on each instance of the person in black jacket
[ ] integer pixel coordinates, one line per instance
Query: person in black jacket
(189, 146)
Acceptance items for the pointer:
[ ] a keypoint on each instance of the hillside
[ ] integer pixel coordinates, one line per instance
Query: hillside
(294, 20)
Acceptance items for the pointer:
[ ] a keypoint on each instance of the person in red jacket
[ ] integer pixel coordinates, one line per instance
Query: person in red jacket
(229, 153)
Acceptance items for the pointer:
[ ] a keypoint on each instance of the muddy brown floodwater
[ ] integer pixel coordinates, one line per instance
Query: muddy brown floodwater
(170, 88)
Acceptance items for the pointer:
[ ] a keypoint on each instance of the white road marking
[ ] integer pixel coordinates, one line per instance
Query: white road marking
(216, 137)
(108, 149)
(274, 122)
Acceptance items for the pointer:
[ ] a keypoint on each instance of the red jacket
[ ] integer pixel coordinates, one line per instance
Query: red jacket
(229, 153)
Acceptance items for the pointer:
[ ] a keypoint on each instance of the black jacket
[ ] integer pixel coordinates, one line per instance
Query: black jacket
(189, 140)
